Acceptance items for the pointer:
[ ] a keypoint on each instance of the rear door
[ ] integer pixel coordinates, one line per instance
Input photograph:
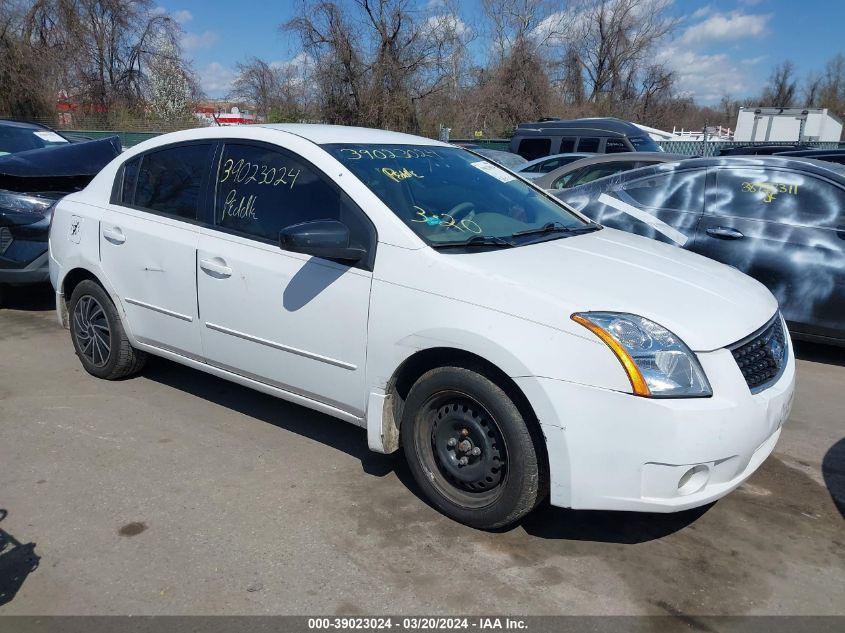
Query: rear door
(786, 229)
(148, 243)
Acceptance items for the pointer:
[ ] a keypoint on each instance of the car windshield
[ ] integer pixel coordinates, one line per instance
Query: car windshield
(14, 139)
(449, 196)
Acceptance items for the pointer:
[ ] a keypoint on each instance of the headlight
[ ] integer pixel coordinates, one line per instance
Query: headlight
(23, 203)
(657, 362)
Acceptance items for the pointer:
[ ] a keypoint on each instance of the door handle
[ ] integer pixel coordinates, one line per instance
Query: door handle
(216, 267)
(724, 233)
(114, 235)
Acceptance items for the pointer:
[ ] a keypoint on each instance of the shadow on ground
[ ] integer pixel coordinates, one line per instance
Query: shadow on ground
(17, 561)
(36, 297)
(833, 470)
(546, 521)
(819, 353)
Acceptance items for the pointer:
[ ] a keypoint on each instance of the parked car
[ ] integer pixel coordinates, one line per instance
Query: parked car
(20, 136)
(600, 166)
(36, 169)
(510, 347)
(539, 166)
(780, 220)
(827, 155)
(759, 150)
(505, 159)
(595, 136)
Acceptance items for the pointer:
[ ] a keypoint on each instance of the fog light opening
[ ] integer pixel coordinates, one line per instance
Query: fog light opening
(693, 480)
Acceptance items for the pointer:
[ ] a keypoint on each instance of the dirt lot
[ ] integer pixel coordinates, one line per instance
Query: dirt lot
(178, 493)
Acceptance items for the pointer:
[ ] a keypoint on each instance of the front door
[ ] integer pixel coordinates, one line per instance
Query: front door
(289, 320)
(787, 230)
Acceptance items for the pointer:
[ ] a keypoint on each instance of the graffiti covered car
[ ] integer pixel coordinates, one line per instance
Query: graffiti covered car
(779, 220)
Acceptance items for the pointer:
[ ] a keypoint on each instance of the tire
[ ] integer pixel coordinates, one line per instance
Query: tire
(98, 335)
(453, 414)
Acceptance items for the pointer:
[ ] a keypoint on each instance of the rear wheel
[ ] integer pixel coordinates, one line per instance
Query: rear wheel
(469, 448)
(98, 335)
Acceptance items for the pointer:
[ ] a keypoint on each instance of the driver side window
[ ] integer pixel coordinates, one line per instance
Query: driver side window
(259, 191)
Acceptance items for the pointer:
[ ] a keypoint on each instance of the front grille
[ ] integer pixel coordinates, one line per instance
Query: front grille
(762, 356)
(5, 239)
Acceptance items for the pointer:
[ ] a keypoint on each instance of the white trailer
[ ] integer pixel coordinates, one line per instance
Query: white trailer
(795, 125)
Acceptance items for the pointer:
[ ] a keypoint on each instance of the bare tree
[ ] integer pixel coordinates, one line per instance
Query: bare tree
(615, 38)
(258, 83)
(782, 87)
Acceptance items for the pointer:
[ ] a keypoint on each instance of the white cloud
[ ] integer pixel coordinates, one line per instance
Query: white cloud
(183, 16)
(720, 27)
(196, 41)
(216, 79)
(448, 23)
(709, 77)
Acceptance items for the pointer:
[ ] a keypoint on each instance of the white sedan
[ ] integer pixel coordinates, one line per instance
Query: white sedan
(510, 347)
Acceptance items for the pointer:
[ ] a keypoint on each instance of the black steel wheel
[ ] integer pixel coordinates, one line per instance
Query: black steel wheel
(469, 448)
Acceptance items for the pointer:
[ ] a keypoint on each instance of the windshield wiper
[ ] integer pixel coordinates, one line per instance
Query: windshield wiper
(557, 227)
(478, 240)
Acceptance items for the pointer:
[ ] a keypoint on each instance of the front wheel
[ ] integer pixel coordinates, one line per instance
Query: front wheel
(98, 335)
(469, 448)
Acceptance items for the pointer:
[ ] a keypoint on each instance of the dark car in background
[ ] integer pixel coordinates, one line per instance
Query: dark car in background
(601, 166)
(780, 220)
(37, 167)
(760, 150)
(827, 155)
(593, 135)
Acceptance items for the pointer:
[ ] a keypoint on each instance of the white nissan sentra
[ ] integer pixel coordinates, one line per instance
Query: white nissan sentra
(511, 348)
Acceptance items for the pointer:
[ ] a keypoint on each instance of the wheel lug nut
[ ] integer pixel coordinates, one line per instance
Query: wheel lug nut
(464, 446)
(463, 461)
(464, 432)
(475, 452)
(452, 441)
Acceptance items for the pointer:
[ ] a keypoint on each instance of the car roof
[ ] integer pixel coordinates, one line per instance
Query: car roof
(831, 171)
(324, 134)
(607, 125)
(598, 159)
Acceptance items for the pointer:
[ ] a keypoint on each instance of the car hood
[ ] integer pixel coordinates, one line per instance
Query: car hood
(708, 304)
(62, 168)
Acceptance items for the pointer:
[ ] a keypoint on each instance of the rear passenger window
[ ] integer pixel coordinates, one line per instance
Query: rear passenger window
(787, 197)
(531, 148)
(615, 145)
(683, 191)
(167, 181)
(260, 191)
(567, 145)
(588, 144)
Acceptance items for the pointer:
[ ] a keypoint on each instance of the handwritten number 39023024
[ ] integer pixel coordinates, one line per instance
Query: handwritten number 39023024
(245, 172)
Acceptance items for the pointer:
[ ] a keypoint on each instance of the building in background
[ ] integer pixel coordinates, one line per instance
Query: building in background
(224, 113)
(797, 125)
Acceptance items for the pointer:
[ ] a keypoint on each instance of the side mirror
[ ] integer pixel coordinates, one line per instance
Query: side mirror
(328, 239)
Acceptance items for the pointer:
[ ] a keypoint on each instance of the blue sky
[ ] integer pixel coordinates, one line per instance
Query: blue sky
(722, 46)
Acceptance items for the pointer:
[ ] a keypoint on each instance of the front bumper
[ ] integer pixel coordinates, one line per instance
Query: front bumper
(615, 451)
(23, 249)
